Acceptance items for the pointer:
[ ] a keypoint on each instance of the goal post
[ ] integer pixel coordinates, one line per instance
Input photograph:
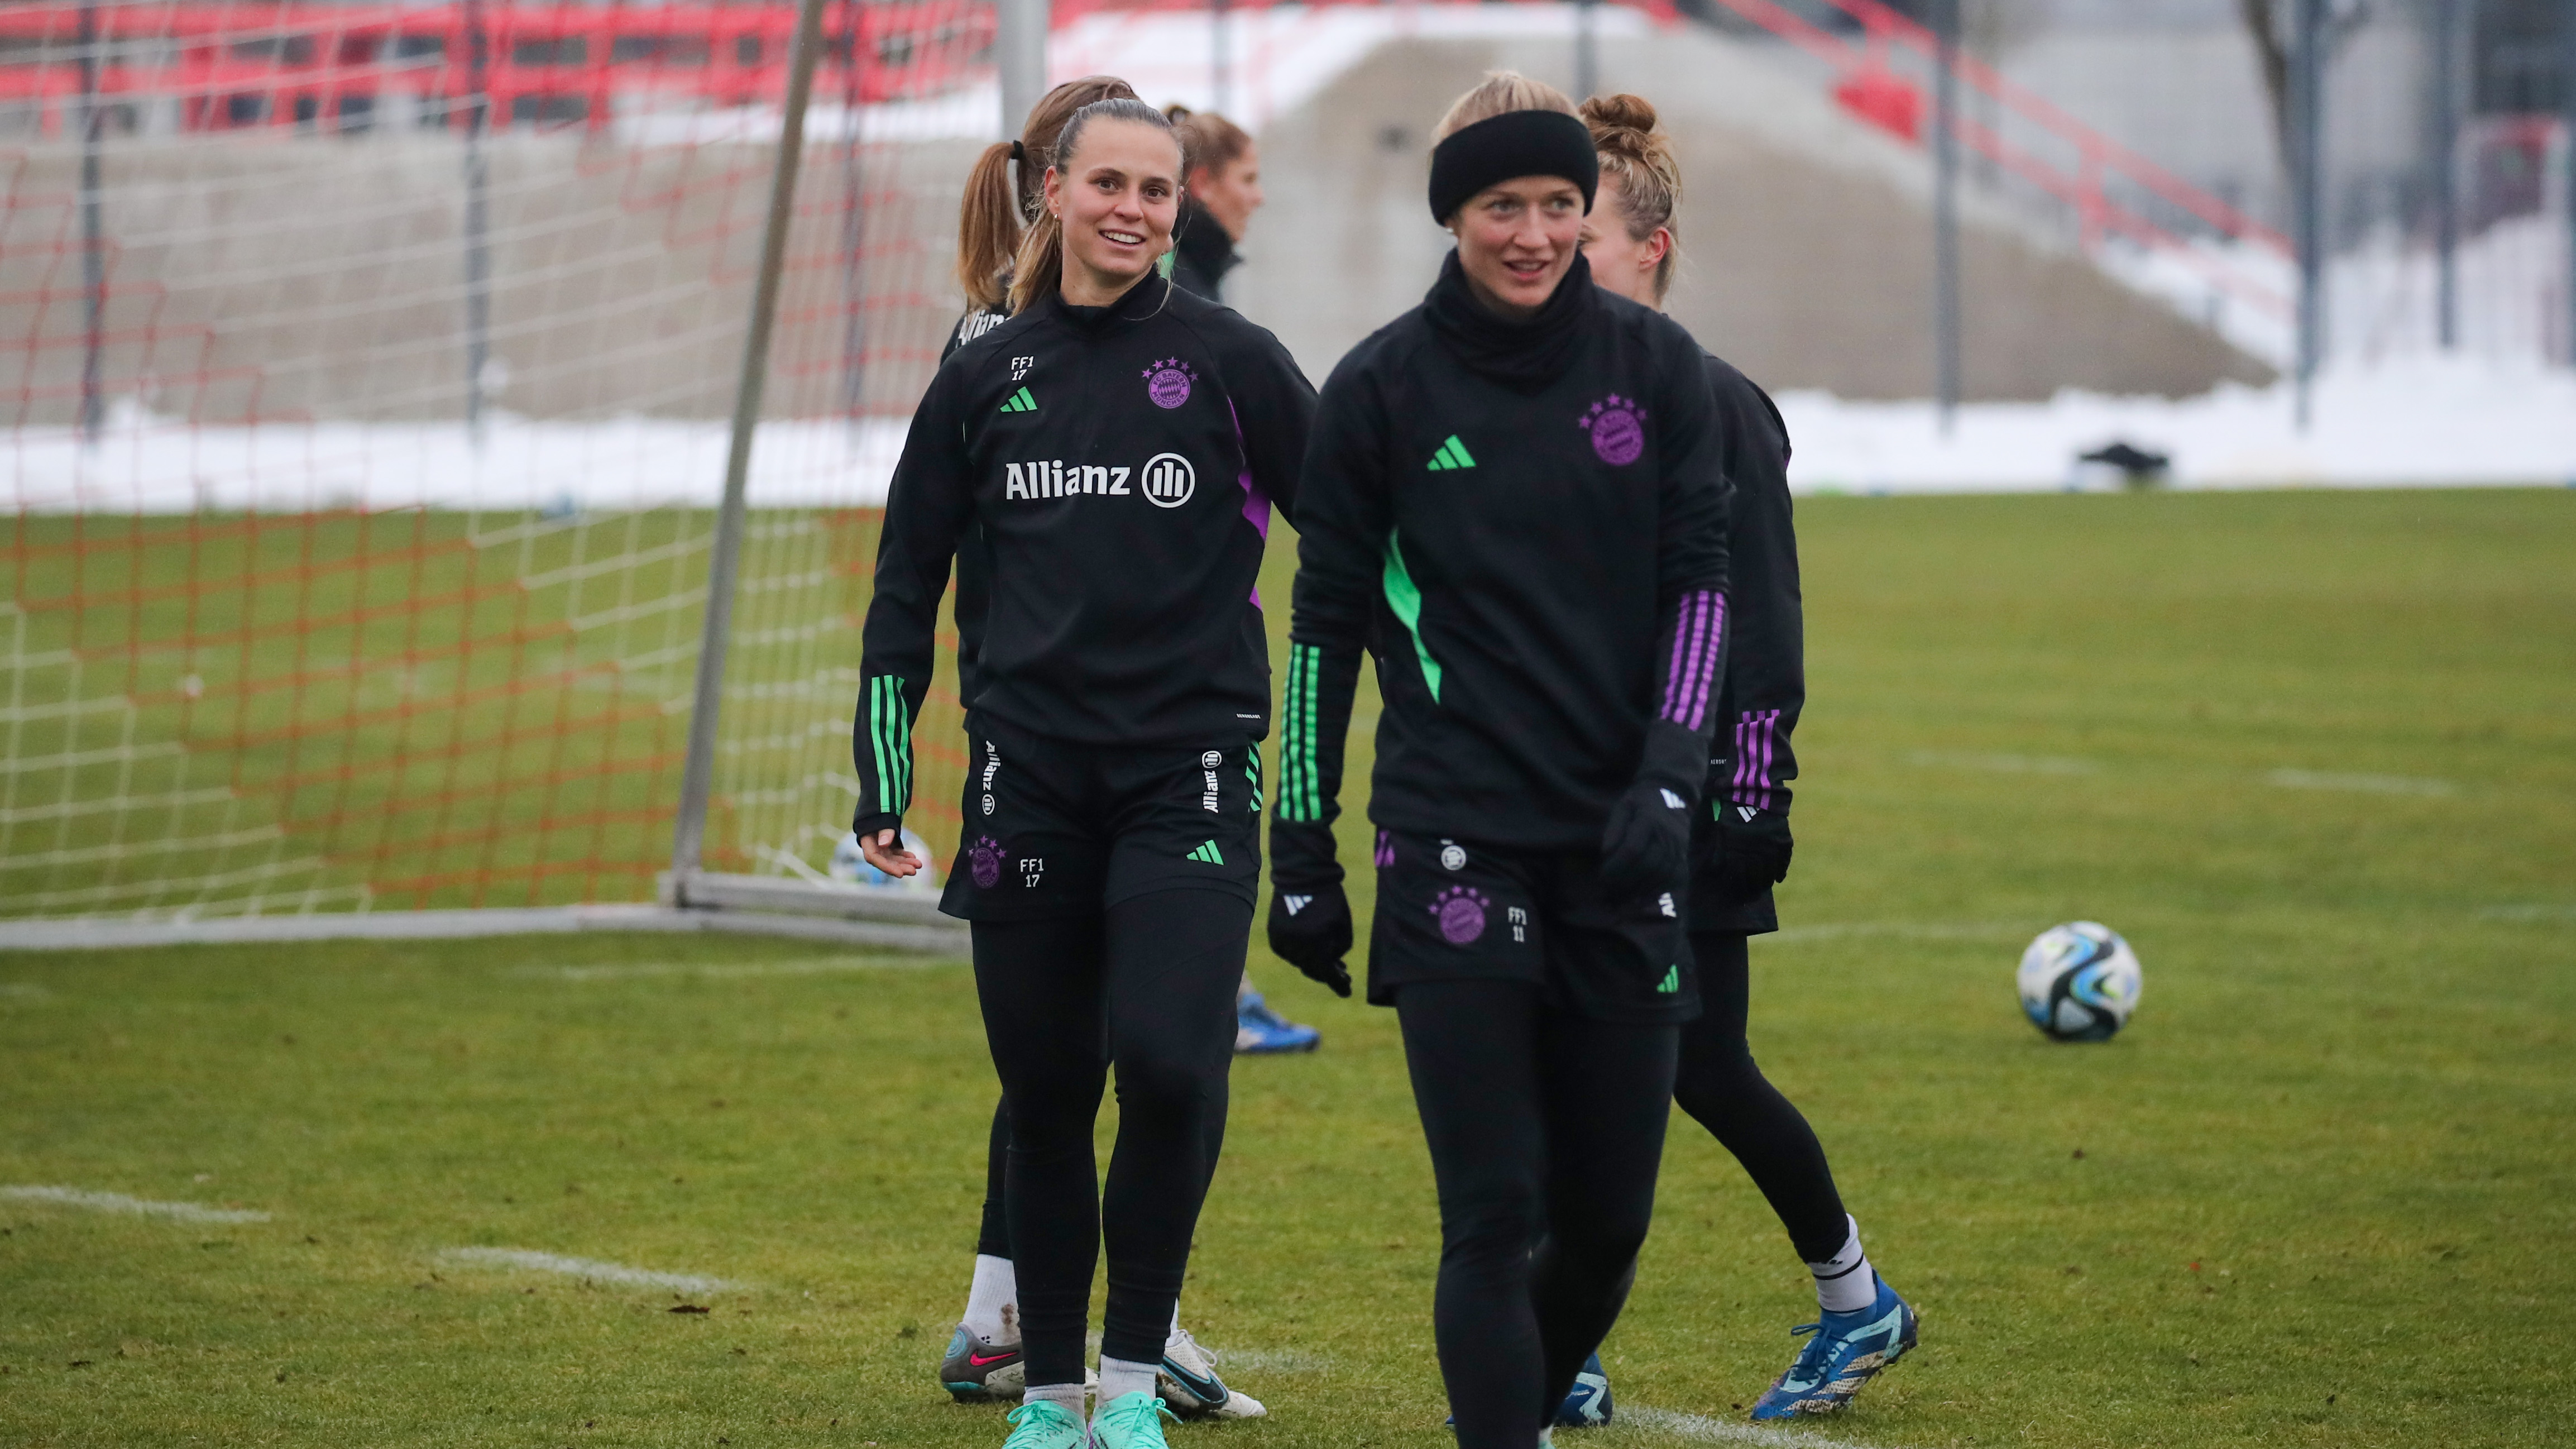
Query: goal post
(362, 563)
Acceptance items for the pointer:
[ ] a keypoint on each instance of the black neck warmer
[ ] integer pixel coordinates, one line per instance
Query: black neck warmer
(1523, 356)
(1137, 303)
(1202, 243)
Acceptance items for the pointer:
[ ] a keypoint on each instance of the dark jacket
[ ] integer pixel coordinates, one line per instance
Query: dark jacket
(1750, 761)
(1201, 253)
(1513, 530)
(1119, 463)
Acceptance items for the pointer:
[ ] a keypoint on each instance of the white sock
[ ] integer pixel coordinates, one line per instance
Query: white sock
(1845, 1283)
(1175, 1335)
(1120, 1377)
(993, 1304)
(1067, 1397)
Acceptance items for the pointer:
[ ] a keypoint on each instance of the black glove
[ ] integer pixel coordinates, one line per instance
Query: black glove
(1310, 929)
(1753, 848)
(1646, 846)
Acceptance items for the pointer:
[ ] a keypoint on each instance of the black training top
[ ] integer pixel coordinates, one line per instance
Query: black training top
(1526, 524)
(1120, 463)
(1201, 252)
(1750, 761)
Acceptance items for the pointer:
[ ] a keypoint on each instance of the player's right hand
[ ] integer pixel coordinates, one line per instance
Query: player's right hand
(884, 850)
(1311, 930)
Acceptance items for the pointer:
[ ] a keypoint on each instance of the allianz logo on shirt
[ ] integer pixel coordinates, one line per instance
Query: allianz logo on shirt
(1167, 480)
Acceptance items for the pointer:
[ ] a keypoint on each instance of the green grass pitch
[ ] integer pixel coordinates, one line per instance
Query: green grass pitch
(2315, 754)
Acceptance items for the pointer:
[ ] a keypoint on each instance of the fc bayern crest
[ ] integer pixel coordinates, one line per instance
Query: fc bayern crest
(1168, 382)
(1618, 428)
(984, 860)
(1461, 913)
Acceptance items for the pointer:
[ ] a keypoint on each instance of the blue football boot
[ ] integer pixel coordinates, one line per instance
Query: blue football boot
(1260, 1031)
(1587, 1404)
(1847, 1351)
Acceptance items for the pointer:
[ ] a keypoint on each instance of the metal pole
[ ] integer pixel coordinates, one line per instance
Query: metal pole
(854, 231)
(2307, 85)
(2567, 107)
(93, 242)
(1020, 49)
(478, 227)
(1945, 215)
(1587, 49)
(697, 778)
(2446, 177)
(1220, 61)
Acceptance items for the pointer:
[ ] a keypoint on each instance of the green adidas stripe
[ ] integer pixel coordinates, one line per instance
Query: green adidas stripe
(1452, 454)
(1252, 772)
(1672, 981)
(1406, 599)
(1207, 855)
(1020, 402)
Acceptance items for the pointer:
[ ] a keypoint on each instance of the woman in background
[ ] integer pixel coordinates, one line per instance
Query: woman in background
(1740, 847)
(1223, 192)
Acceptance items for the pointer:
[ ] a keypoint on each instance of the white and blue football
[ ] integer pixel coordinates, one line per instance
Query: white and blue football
(2079, 982)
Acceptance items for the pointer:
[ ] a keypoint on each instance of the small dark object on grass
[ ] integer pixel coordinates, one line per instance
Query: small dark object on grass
(689, 1308)
(2138, 468)
(2079, 1154)
(80, 1363)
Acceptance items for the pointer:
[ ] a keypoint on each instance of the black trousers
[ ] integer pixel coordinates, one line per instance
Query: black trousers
(1144, 991)
(1718, 1084)
(1542, 1125)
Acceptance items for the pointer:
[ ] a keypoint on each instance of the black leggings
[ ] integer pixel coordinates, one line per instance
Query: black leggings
(1146, 987)
(1538, 1121)
(1719, 1085)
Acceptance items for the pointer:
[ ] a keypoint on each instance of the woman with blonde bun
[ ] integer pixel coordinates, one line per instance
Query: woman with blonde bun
(1740, 843)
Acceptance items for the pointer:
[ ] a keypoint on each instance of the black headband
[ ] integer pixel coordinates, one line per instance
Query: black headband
(1515, 143)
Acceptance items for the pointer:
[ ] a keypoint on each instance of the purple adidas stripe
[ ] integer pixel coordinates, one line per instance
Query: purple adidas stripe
(1699, 632)
(1757, 738)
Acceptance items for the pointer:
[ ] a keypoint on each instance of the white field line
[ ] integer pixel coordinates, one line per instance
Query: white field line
(590, 1268)
(2527, 913)
(800, 966)
(1706, 1430)
(2360, 784)
(2005, 764)
(1910, 930)
(117, 1202)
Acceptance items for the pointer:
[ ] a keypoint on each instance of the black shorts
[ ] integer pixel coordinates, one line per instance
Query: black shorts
(1448, 910)
(1054, 828)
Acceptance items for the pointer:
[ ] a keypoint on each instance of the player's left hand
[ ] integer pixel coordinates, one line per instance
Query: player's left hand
(1646, 846)
(1753, 849)
(1311, 930)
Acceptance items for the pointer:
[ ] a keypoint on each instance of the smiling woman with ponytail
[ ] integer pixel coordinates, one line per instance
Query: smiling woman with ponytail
(1109, 454)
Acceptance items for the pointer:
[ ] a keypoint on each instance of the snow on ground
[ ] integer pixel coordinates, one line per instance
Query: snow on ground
(2412, 421)
(2417, 421)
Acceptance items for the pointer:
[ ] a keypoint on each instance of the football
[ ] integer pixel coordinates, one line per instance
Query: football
(2079, 982)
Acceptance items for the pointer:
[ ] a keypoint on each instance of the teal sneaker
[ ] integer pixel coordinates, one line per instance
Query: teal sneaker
(1130, 1421)
(1043, 1424)
(1847, 1351)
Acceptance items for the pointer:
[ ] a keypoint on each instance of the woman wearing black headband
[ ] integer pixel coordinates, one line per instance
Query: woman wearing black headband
(1514, 499)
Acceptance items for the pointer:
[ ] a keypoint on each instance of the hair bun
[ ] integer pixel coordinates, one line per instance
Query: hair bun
(1621, 112)
(1177, 113)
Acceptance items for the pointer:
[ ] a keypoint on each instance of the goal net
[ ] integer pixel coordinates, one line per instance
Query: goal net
(369, 370)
